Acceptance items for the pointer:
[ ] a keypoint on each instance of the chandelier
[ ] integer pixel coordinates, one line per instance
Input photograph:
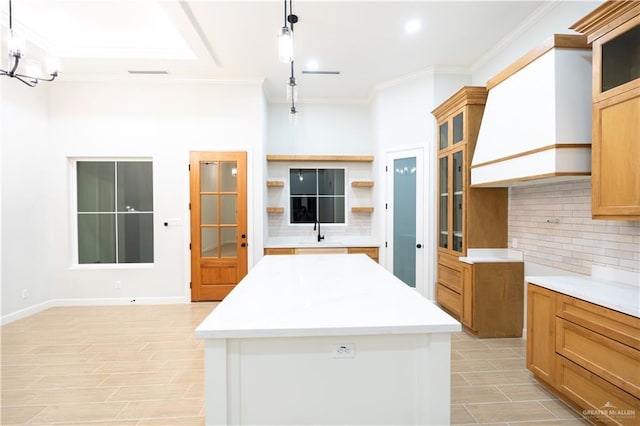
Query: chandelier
(16, 49)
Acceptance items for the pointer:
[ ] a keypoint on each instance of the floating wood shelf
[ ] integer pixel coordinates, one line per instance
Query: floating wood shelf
(275, 183)
(362, 183)
(342, 158)
(275, 209)
(361, 209)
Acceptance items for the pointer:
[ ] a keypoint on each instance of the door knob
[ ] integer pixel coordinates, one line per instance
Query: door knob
(243, 236)
(418, 245)
(243, 245)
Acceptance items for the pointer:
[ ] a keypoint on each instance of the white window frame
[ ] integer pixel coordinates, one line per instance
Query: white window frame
(73, 213)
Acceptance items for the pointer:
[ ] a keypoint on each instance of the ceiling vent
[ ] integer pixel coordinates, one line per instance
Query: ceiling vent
(148, 72)
(536, 124)
(321, 72)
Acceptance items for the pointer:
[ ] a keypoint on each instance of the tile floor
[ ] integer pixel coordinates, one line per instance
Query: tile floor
(142, 365)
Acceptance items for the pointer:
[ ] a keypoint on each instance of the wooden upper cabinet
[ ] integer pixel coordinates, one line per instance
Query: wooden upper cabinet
(614, 31)
(467, 217)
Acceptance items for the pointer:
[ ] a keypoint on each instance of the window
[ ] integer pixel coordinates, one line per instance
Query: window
(114, 211)
(317, 195)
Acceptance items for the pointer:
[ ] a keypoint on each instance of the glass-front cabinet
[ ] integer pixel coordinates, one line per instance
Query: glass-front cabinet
(467, 217)
(451, 180)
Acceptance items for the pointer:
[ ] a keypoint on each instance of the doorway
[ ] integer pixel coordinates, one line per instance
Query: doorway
(218, 195)
(405, 216)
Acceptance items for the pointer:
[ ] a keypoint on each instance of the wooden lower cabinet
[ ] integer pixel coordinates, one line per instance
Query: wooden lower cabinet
(588, 354)
(541, 326)
(487, 298)
(372, 252)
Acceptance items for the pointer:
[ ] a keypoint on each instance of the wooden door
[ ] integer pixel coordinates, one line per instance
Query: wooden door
(218, 186)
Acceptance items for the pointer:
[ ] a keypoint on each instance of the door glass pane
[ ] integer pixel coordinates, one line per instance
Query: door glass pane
(331, 181)
(96, 183)
(209, 242)
(458, 128)
(209, 209)
(302, 181)
(96, 238)
(135, 238)
(303, 209)
(457, 201)
(229, 241)
(444, 135)
(404, 220)
(621, 59)
(135, 186)
(228, 176)
(228, 209)
(444, 202)
(209, 177)
(331, 210)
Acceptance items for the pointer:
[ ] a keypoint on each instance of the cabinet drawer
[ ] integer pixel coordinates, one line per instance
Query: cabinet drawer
(604, 403)
(449, 299)
(609, 359)
(450, 277)
(615, 325)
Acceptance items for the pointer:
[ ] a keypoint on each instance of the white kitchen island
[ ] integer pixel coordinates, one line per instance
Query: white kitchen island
(326, 339)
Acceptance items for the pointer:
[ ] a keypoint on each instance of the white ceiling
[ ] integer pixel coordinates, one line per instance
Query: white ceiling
(236, 40)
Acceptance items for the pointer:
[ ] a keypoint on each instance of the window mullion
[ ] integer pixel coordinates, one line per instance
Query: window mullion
(115, 208)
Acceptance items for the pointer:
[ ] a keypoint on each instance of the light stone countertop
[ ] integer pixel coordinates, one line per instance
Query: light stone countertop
(491, 256)
(328, 242)
(323, 295)
(614, 295)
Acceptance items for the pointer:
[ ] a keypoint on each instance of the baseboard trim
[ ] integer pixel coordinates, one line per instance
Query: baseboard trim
(26, 312)
(119, 301)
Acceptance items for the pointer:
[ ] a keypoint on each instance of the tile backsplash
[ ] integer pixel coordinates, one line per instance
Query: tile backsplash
(551, 224)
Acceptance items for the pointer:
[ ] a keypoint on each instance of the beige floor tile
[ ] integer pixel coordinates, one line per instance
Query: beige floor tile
(468, 344)
(515, 342)
(460, 416)
(70, 381)
(19, 415)
(498, 378)
(175, 421)
(458, 366)
(530, 392)
(68, 413)
(509, 363)
(477, 394)
(489, 353)
(147, 364)
(133, 379)
(560, 409)
(149, 392)
(458, 380)
(164, 409)
(509, 412)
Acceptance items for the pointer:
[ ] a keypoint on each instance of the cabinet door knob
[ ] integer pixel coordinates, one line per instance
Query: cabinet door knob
(419, 245)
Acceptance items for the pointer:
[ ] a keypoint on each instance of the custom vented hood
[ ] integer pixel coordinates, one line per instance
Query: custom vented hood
(537, 121)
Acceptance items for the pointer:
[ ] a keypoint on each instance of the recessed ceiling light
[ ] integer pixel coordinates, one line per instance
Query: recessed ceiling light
(412, 26)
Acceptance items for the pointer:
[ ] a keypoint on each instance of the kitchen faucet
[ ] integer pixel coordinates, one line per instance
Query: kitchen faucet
(317, 223)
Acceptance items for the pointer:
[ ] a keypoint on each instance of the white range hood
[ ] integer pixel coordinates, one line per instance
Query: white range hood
(537, 121)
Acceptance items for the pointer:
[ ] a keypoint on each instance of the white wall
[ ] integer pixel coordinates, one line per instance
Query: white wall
(402, 119)
(27, 240)
(319, 129)
(553, 18)
(160, 120)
